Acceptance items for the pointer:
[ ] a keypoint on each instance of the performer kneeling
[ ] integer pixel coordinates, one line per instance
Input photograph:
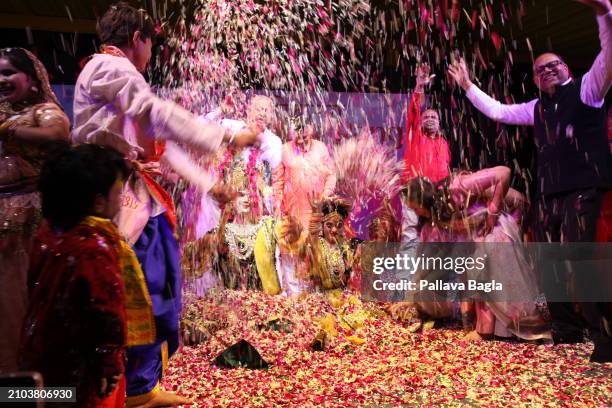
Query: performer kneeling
(480, 207)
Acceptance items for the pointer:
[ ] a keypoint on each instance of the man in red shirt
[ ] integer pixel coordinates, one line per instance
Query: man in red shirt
(426, 151)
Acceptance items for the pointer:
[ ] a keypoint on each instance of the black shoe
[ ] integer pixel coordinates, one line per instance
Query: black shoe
(602, 353)
(567, 337)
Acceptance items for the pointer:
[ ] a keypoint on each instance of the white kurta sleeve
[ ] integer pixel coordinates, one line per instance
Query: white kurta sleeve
(182, 163)
(271, 148)
(515, 114)
(596, 82)
(120, 84)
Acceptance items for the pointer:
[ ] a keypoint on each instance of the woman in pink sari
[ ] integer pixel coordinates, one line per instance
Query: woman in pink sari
(306, 173)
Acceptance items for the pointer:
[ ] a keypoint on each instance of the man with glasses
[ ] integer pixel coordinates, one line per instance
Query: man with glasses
(573, 158)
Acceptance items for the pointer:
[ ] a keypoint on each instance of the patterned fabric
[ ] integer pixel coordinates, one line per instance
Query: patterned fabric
(138, 305)
(75, 326)
(20, 165)
(336, 262)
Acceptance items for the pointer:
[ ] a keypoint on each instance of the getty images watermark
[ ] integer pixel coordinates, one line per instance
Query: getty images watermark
(411, 264)
(493, 271)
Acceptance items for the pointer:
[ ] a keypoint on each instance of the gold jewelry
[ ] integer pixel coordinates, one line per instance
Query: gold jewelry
(332, 216)
(240, 239)
(333, 262)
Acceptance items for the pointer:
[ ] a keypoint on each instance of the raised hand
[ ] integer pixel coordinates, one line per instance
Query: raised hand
(314, 202)
(423, 77)
(459, 72)
(601, 7)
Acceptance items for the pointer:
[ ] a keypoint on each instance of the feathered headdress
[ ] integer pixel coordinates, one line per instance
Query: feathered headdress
(366, 169)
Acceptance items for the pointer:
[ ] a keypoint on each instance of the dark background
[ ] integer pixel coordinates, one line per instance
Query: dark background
(62, 34)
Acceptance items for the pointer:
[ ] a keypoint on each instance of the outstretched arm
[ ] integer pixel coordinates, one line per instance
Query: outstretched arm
(596, 82)
(412, 138)
(120, 84)
(183, 164)
(492, 182)
(413, 121)
(515, 114)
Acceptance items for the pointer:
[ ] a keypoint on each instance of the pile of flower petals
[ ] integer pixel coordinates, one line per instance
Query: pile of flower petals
(376, 362)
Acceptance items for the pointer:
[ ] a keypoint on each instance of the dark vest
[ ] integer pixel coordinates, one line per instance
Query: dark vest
(572, 143)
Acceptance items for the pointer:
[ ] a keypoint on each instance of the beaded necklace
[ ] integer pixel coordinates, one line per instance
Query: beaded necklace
(240, 239)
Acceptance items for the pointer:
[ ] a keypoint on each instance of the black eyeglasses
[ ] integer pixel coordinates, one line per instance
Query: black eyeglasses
(551, 65)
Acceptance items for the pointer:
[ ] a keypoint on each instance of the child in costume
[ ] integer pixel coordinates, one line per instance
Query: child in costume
(114, 106)
(76, 326)
(330, 254)
(321, 257)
